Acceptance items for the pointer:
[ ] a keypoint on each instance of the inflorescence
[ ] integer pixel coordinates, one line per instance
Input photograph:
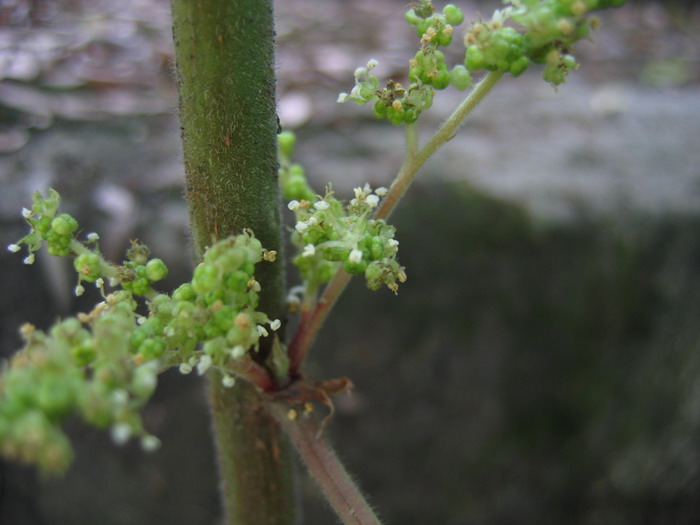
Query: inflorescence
(103, 364)
(540, 32)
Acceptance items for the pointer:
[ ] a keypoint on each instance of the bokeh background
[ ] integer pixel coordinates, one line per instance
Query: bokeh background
(542, 363)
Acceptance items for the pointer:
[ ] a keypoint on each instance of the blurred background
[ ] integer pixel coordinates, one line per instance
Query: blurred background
(541, 364)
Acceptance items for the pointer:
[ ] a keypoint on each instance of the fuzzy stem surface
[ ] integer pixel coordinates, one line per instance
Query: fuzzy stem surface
(225, 73)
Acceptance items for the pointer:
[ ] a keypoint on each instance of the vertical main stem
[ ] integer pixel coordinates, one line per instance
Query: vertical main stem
(225, 73)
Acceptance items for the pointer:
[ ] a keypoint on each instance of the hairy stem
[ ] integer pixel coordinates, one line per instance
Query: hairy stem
(225, 73)
(325, 467)
(413, 161)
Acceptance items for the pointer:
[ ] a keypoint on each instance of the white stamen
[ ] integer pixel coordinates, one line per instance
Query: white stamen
(381, 191)
(185, 368)
(301, 227)
(321, 205)
(355, 256)
(93, 237)
(204, 364)
(372, 201)
(150, 443)
(372, 63)
(309, 251)
(261, 331)
(121, 432)
(26, 213)
(29, 259)
(237, 352)
(275, 325)
(228, 381)
(79, 290)
(293, 205)
(14, 248)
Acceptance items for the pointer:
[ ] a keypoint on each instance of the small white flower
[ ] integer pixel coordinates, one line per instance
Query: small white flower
(204, 364)
(93, 237)
(185, 368)
(120, 397)
(26, 213)
(358, 192)
(392, 243)
(29, 259)
(355, 256)
(321, 205)
(237, 352)
(113, 282)
(381, 191)
(79, 290)
(301, 227)
(354, 202)
(228, 381)
(261, 331)
(275, 325)
(150, 443)
(355, 93)
(372, 63)
(293, 205)
(14, 248)
(100, 283)
(359, 72)
(121, 432)
(141, 320)
(343, 97)
(309, 251)
(372, 201)
(312, 221)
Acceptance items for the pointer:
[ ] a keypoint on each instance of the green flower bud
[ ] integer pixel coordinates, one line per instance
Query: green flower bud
(286, 142)
(460, 77)
(156, 270)
(64, 224)
(453, 14)
(474, 60)
(206, 279)
(519, 66)
(88, 266)
(144, 381)
(441, 80)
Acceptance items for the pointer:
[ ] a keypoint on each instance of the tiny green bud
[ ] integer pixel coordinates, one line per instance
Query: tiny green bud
(64, 224)
(453, 14)
(286, 142)
(156, 270)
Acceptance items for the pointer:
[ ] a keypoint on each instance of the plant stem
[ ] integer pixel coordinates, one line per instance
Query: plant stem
(332, 478)
(413, 161)
(225, 73)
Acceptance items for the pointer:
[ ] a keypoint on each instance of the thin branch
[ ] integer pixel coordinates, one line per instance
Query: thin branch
(325, 467)
(413, 161)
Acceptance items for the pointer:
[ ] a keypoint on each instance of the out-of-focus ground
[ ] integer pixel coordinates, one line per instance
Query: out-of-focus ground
(542, 363)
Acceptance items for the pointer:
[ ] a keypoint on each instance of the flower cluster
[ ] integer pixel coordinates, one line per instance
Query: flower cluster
(329, 234)
(103, 364)
(550, 28)
(428, 69)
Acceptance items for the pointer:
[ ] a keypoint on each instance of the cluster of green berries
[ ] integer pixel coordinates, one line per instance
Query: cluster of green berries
(103, 365)
(428, 69)
(428, 66)
(329, 235)
(81, 366)
(57, 230)
(549, 30)
(211, 320)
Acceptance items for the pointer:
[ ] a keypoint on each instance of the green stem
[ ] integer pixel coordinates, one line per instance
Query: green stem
(413, 161)
(225, 72)
(330, 474)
